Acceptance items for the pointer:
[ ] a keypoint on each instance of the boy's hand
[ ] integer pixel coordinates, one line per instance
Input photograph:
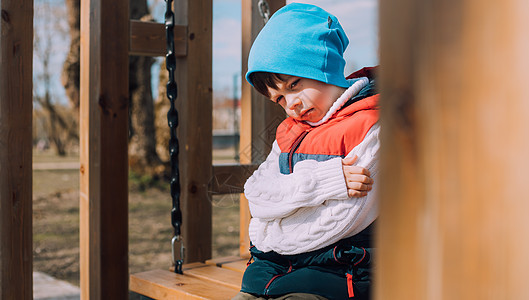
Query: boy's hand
(356, 178)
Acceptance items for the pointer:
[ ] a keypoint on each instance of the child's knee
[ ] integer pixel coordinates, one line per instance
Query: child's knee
(258, 275)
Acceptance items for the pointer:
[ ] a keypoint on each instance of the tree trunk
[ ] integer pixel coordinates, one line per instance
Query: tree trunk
(71, 71)
(143, 158)
(161, 108)
(61, 129)
(70, 76)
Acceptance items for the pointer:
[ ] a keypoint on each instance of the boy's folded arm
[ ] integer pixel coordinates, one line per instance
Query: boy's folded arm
(366, 163)
(274, 195)
(367, 151)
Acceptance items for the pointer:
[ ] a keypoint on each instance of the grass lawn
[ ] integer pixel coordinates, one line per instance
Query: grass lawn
(56, 223)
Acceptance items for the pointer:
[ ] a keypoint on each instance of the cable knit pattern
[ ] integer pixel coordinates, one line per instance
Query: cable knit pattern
(292, 224)
(309, 208)
(275, 196)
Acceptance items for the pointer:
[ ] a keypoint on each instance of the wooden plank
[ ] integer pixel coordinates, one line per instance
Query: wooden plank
(16, 253)
(194, 104)
(215, 272)
(230, 179)
(223, 276)
(239, 266)
(234, 263)
(259, 116)
(148, 38)
(103, 154)
(163, 284)
(219, 261)
(454, 212)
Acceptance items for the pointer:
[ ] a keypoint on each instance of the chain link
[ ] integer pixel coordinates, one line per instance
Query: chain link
(264, 10)
(172, 119)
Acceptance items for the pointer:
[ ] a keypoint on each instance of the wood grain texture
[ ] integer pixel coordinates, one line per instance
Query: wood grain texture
(194, 105)
(234, 263)
(222, 276)
(200, 280)
(162, 284)
(453, 214)
(103, 154)
(220, 261)
(259, 116)
(148, 38)
(16, 251)
(230, 179)
(238, 266)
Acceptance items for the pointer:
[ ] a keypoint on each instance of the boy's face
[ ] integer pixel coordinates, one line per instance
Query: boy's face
(304, 99)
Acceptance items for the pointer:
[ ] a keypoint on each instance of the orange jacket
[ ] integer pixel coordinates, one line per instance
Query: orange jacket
(336, 137)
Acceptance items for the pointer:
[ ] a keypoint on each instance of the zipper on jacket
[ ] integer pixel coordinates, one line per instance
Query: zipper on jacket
(350, 283)
(295, 146)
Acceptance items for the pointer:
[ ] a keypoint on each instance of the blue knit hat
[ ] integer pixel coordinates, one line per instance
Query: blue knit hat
(301, 40)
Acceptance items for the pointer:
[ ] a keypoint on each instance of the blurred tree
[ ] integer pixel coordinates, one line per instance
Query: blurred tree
(162, 106)
(143, 158)
(71, 69)
(60, 127)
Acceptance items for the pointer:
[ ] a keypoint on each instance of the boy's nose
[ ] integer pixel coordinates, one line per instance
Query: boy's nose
(293, 102)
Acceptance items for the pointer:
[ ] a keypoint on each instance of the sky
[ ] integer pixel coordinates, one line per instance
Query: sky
(358, 18)
(50, 35)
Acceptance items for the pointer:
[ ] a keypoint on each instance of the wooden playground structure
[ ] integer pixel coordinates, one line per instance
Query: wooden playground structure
(455, 115)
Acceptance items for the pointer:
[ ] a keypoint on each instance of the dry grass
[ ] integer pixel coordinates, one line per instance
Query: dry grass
(56, 224)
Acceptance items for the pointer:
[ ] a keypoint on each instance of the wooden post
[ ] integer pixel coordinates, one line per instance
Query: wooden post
(259, 116)
(103, 140)
(194, 104)
(454, 214)
(16, 250)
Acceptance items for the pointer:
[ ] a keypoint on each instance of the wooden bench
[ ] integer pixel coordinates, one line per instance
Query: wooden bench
(215, 279)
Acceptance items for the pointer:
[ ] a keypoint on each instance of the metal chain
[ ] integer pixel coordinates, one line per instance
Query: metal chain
(264, 10)
(172, 119)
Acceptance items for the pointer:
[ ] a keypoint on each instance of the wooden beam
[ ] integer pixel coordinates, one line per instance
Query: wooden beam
(259, 116)
(103, 140)
(454, 214)
(16, 250)
(194, 104)
(148, 38)
(230, 179)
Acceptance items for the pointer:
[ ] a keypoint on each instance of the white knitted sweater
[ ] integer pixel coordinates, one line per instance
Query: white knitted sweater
(309, 208)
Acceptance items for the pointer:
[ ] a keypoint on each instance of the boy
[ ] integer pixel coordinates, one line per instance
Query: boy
(312, 209)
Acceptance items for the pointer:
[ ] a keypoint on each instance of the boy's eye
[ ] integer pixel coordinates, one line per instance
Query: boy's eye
(278, 99)
(293, 84)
